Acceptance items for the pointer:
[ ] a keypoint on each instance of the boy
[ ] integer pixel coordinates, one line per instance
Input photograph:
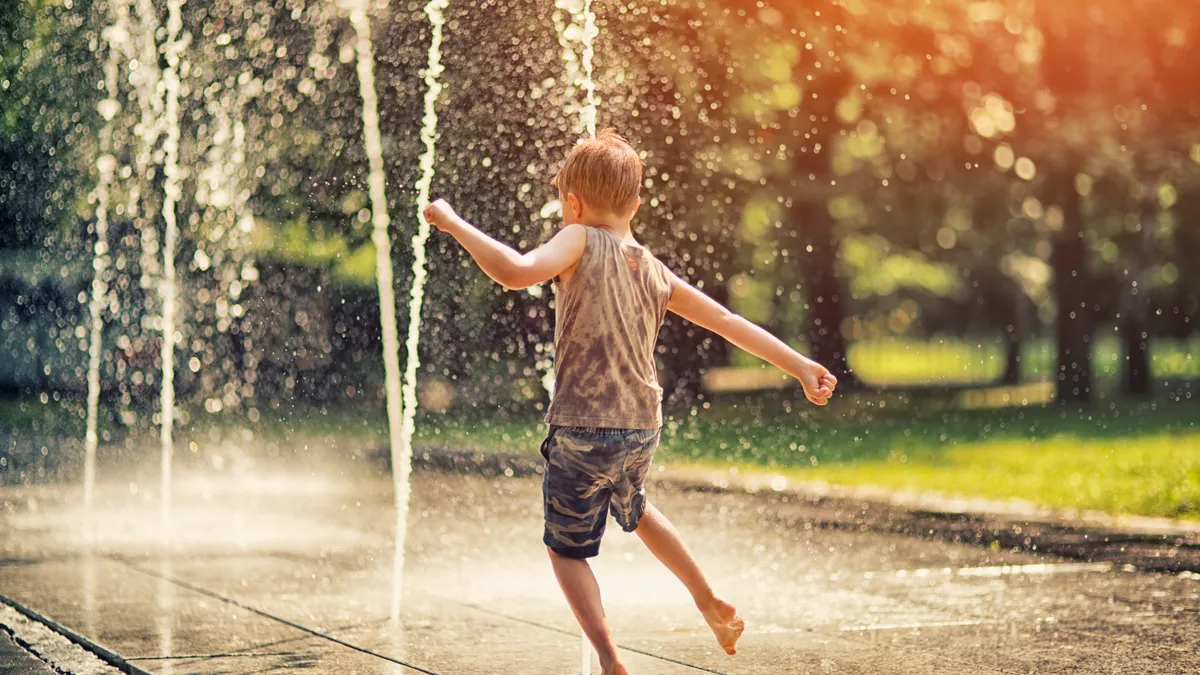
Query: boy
(606, 411)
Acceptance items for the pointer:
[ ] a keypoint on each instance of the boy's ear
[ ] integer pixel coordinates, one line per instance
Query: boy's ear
(575, 204)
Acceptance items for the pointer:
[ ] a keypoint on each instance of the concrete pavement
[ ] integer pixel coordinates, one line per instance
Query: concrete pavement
(278, 570)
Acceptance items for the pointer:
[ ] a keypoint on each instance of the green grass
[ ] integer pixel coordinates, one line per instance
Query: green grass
(1120, 458)
(1155, 475)
(900, 361)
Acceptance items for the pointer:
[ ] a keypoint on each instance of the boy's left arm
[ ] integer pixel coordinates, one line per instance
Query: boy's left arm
(504, 265)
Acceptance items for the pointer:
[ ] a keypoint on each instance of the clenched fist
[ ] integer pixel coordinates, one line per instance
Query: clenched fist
(440, 215)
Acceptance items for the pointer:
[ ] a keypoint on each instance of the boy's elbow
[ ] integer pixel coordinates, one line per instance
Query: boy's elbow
(727, 321)
(516, 277)
(511, 281)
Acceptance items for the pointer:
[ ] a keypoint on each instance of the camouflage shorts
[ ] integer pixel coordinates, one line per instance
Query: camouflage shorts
(588, 473)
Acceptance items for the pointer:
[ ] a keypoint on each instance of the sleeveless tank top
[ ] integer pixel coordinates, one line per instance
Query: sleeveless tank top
(606, 325)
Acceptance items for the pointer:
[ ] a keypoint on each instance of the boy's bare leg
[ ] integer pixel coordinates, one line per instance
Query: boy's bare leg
(663, 540)
(583, 595)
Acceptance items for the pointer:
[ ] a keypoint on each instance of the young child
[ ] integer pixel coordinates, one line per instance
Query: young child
(606, 412)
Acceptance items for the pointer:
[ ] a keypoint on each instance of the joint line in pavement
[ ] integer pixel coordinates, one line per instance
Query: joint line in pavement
(201, 657)
(560, 631)
(249, 608)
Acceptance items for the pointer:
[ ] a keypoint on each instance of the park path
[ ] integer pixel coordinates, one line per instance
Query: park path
(294, 571)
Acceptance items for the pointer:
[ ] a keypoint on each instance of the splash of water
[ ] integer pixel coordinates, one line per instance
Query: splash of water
(402, 464)
(172, 191)
(106, 164)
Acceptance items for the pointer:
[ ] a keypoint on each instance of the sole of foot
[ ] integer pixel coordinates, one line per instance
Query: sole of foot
(725, 623)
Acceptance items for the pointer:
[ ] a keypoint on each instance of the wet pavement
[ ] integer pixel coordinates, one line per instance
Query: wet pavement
(295, 571)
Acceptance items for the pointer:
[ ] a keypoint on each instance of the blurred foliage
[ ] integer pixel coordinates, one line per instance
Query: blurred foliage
(860, 176)
(46, 130)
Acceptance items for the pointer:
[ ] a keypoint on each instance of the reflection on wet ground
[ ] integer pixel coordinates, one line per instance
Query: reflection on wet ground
(295, 572)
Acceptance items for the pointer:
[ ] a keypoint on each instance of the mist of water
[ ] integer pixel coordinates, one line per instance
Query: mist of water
(172, 190)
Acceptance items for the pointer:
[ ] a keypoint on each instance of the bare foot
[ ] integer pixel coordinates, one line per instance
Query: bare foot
(722, 618)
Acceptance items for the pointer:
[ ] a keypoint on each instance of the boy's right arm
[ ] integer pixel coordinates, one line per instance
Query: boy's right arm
(702, 310)
(505, 266)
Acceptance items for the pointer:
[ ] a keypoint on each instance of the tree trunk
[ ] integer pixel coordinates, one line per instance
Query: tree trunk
(1187, 288)
(1012, 359)
(816, 256)
(1137, 365)
(1015, 334)
(1068, 259)
(1135, 327)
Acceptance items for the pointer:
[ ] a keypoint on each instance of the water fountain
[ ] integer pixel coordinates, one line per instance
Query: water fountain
(401, 403)
(380, 219)
(106, 165)
(577, 67)
(434, 9)
(158, 93)
(131, 45)
(172, 190)
(588, 113)
(142, 57)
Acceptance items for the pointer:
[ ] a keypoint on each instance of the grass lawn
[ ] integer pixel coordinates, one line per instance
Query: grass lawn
(951, 361)
(1136, 458)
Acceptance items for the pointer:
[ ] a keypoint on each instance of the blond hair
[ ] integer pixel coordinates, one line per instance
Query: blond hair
(604, 171)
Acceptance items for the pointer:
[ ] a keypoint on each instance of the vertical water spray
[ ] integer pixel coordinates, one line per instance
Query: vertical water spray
(577, 61)
(171, 194)
(364, 51)
(588, 113)
(106, 165)
(434, 9)
(145, 76)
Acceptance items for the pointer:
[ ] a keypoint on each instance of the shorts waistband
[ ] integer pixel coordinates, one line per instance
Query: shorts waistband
(600, 431)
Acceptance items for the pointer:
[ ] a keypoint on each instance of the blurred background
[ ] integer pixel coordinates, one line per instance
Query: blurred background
(979, 214)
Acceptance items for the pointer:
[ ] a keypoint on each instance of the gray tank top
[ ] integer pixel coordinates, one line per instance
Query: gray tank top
(606, 326)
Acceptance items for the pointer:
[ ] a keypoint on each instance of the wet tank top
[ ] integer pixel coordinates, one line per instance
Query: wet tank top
(607, 319)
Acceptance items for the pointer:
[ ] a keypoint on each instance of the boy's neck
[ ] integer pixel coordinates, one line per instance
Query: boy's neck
(617, 225)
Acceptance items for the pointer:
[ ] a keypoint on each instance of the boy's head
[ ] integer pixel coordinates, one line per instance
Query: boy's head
(603, 175)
